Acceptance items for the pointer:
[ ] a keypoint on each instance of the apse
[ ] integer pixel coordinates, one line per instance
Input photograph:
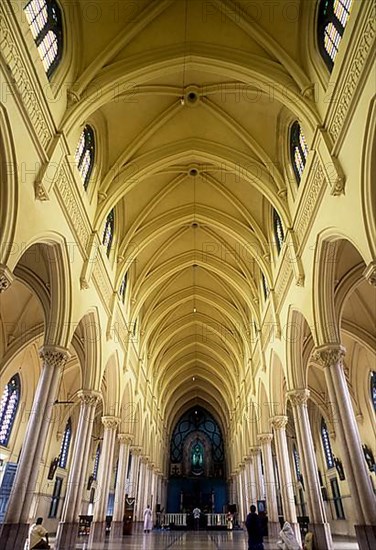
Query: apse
(197, 467)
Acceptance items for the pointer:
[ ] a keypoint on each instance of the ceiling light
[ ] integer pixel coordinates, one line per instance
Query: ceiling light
(193, 378)
(194, 310)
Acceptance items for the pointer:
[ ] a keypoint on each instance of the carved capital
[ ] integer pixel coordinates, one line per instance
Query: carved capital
(247, 459)
(125, 439)
(135, 450)
(279, 422)
(370, 273)
(298, 397)
(89, 397)
(54, 356)
(265, 438)
(6, 278)
(110, 422)
(254, 451)
(329, 355)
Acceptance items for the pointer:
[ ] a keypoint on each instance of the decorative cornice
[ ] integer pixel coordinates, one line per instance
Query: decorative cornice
(329, 355)
(299, 397)
(6, 278)
(54, 356)
(110, 422)
(279, 422)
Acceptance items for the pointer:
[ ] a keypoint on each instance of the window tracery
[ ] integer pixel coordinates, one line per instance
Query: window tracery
(326, 445)
(123, 287)
(8, 408)
(298, 150)
(279, 235)
(85, 153)
(45, 22)
(65, 444)
(108, 232)
(332, 19)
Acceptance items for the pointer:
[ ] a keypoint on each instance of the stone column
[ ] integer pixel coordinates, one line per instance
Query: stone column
(142, 487)
(15, 527)
(270, 484)
(98, 527)
(251, 482)
(68, 526)
(255, 454)
(317, 514)
(241, 494)
(133, 475)
(120, 489)
(284, 467)
(330, 357)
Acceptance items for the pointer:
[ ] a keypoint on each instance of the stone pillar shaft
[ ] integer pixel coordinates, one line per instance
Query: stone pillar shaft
(284, 467)
(14, 529)
(120, 489)
(270, 483)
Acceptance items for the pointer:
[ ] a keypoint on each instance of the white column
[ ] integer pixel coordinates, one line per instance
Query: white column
(15, 527)
(251, 478)
(317, 514)
(255, 454)
(241, 494)
(330, 357)
(142, 487)
(288, 501)
(270, 484)
(98, 527)
(120, 489)
(68, 526)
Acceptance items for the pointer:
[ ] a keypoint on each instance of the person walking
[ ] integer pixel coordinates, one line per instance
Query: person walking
(148, 521)
(255, 530)
(288, 539)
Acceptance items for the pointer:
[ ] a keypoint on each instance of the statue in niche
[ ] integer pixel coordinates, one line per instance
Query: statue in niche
(197, 459)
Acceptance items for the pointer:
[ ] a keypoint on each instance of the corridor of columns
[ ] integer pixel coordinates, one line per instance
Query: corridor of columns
(187, 272)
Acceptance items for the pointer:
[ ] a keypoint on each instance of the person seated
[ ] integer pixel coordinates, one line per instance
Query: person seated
(38, 536)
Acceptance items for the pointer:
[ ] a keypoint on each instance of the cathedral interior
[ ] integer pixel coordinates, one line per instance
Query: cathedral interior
(187, 266)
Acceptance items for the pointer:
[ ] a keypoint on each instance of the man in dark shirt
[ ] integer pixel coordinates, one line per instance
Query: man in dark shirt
(255, 532)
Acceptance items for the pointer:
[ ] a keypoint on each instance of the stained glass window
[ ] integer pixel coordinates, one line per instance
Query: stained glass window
(298, 150)
(8, 408)
(45, 21)
(326, 445)
(278, 231)
(298, 471)
(108, 233)
(85, 154)
(96, 461)
(65, 444)
(373, 389)
(333, 16)
(123, 288)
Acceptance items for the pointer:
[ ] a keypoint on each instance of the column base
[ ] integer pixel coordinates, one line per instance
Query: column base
(97, 532)
(116, 530)
(66, 536)
(14, 535)
(273, 529)
(366, 536)
(322, 536)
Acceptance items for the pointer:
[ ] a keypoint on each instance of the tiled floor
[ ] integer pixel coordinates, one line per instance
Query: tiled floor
(203, 540)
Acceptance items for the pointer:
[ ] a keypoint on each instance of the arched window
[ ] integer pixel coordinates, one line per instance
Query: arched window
(278, 230)
(298, 150)
(8, 408)
(298, 471)
(65, 444)
(123, 287)
(108, 233)
(85, 154)
(96, 461)
(45, 21)
(332, 19)
(326, 445)
(373, 389)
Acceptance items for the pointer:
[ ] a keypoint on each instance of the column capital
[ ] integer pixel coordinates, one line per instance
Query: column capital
(254, 451)
(145, 459)
(110, 422)
(370, 273)
(265, 438)
(329, 354)
(54, 356)
(6, 278)
(151, 466)
(241, 466)
(125, 438)
(89, 397)
(136, 450)
(279, 422)
(247, 459)
(298, 397)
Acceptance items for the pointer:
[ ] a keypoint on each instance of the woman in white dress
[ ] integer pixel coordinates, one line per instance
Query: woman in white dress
(148, 521)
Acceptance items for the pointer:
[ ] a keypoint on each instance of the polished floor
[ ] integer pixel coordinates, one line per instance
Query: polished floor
(203, 540)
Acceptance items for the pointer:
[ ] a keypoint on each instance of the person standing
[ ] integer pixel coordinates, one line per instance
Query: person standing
(148, 522)
(196, 516)
(255, 530)
(38, 536)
